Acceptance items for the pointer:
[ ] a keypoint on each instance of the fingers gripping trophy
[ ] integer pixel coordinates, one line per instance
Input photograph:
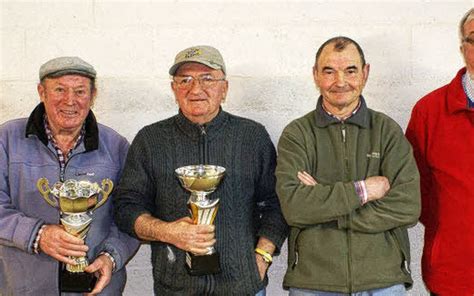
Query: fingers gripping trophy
(201, 180)
(76, 201)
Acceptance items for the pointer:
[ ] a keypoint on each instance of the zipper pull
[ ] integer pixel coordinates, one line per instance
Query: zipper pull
(203, 130)
(296, 259)
(343, 134)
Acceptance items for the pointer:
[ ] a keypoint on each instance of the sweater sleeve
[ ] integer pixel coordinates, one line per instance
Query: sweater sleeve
(401, 205)
(302, 205)
(136, 190)
(272, 223)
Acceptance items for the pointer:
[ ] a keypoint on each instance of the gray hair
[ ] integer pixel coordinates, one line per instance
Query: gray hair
(469, 16)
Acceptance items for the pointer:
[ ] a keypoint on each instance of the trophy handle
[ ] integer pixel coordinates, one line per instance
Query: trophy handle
(43, 187)
(107, 186)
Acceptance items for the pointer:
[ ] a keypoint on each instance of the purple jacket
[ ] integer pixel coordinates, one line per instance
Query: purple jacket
(26, 156)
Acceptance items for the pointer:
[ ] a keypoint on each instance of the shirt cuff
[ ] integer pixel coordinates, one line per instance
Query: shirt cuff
(110, 257)
(361, 190)
(36, 247)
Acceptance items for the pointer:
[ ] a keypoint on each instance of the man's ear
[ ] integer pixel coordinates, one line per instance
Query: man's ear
(315, 76)
(366, 71)
(93, 96)
(41, 91)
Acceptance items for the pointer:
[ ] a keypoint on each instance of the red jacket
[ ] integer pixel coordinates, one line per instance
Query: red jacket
(441, 130)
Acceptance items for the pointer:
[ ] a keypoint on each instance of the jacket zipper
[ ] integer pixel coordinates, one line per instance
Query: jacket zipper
(66, 163)
(61, 175)
(349, 258)
(61, 179)
(203, 146)
(348, 231)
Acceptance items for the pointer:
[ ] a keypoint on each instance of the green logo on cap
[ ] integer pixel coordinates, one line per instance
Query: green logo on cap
(192, 52)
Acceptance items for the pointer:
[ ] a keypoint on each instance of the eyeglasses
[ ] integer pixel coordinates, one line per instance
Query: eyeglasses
(468, 40)
(187, 82)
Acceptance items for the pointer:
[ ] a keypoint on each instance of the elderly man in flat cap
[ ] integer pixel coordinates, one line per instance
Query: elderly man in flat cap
(61, 140)
(151, 205)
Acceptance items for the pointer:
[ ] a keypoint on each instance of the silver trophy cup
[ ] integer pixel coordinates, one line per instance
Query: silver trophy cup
(202, 180)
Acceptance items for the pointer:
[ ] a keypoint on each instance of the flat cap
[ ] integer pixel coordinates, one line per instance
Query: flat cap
(66, 65)
(203, 54)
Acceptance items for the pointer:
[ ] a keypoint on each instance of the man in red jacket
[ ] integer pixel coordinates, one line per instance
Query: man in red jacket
(441, 130)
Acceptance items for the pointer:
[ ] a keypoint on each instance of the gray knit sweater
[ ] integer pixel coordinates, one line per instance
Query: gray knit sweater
(249, 207)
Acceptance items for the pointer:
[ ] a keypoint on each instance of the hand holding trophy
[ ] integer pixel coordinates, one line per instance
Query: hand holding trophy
(76, 201)
(201, 180)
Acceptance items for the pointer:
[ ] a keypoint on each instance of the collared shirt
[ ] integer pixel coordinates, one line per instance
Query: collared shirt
(61, 157)
(468, 86)
(342, 119)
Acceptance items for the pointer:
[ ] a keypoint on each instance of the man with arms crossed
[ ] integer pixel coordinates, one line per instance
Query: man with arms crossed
(348, 187)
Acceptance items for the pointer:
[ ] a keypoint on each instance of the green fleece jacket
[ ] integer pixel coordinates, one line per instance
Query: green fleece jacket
(336, 244)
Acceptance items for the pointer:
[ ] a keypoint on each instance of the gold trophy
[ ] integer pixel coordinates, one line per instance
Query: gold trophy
(201, 180)
(76, 201)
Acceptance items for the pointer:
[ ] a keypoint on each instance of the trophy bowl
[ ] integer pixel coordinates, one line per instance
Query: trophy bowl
(201, 180)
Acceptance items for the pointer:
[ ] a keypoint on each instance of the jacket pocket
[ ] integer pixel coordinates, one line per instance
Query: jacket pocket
(169, 266)
(403, 243)
(293, 247)
(321, 257)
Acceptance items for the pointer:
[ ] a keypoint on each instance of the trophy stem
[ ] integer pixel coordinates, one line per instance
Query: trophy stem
(81, 264)
(77, 224)
(198, 196)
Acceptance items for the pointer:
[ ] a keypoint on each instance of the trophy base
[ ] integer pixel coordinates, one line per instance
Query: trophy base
(202, 264)
(77, 281)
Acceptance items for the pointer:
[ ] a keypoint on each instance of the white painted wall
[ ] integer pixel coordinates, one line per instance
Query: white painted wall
(269, 49)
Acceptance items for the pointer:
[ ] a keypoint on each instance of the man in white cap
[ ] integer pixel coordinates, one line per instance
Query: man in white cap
(60, 140)
(151, 205)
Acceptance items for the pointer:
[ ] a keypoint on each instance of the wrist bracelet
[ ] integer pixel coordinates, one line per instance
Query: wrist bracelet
(265, 255)
(36, 249)
(110, 257)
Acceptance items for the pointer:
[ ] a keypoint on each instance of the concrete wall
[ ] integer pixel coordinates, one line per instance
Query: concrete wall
(268, 46)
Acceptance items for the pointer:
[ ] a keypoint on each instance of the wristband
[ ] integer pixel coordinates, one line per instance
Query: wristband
(36, 249)
(265, 255)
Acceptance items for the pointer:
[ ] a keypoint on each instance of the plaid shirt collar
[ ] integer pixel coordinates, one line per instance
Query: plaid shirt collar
(61, 157)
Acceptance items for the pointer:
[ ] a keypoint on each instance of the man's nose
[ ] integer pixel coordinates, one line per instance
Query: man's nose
(69, 98)
(340, 79)
(196, 86)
